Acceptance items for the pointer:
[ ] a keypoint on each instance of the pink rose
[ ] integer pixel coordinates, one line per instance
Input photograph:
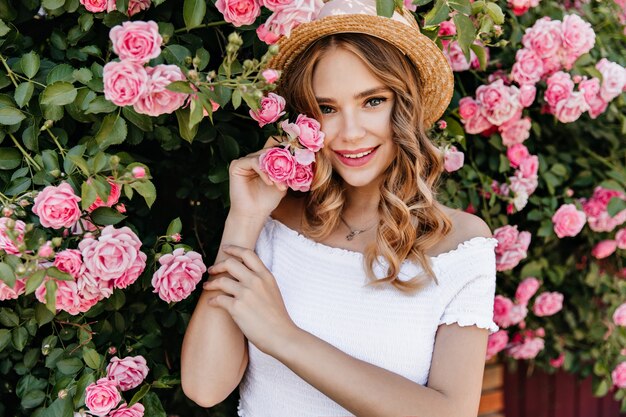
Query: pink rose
(496, 343)
(499, 103)
(447, 28)
(501, 310)
(620, 238)
(568, 220)
(138, 172)
(527, 93)
(178, 275)
(544, 37)
(408, 4)
(560, 87)
(520, 7)
(67, 297)
(529, 167)
(528, 67)
(570, 109)
(528, 349)
(304, 156)
(578, 36)
(278, 163)
(596, 210)
(135, 6)
(8, 293)
(274, 5)
(102, 396)
(239, 12)
(8, 244)
(591, 90)
(516, 154)
(112, 254)
(124, 82)
(507, 237)
(284, 20)
(517, 314)
(512, 247)
(613, 79)
(267, 36)
(311, 136)
(137, 41)
(57, 207)
(472, 118)
(129, 372)
(468, 107)
(619, 316)
(132, 273)
(157, 99)
(619, 375)
(270, 75)
(69, 261)
(557, 362)
(114, 196)
(94, 6)
(453, 159)
(270, 109)
(456, 57)
(136, 410)
(548, 303)
(604, 249)
(91, 288)
(515, 131)
(302, 179)
(526, 289)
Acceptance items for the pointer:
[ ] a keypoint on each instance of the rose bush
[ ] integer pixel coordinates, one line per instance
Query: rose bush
(104, 103)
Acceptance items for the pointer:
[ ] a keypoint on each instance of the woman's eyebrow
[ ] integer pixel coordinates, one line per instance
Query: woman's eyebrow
(360, 95)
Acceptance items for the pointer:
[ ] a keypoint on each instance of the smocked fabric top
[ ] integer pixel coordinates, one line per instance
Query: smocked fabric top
(324, 291)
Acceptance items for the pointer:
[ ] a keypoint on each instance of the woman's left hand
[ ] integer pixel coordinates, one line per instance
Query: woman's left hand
(252, 298)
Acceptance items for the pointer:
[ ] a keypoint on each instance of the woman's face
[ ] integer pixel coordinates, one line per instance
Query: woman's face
(356, 118)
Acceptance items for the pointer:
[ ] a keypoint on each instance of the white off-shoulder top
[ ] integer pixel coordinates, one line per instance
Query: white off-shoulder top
(324, 291)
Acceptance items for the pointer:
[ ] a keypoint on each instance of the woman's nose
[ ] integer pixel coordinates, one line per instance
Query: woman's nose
(352, 126)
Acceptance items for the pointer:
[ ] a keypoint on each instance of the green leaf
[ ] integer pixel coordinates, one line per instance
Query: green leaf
(236, 98)
(182, 115)
(615, 206)
(100, 105)
(495, 12)
(80, 162)
(142, 121)
(174, 227)
(5, 338)
(229, 148)
(195, 114)
(180, 87)
(105, 216)
(34, 281)
(30, 64)
(153, 405)
(113, 131)
(88, 195)
(203, 56)
(92, 358)
(59, 93)
(140, 394)
(193, 12)
(10, 158)
(69, 366)
(600, 387)
(18, 186)
(420, 3)
(466, 33)
(175, 54)
(11, 116)
(61, 407)
(8, 318)
(461, 6)
(33, 398)
(4, 29)
(481, 54)
(51, 290)
(52, 4)
(7, 274)
(23, 93)
(43, 315)
(19, 336)
(147, 190)
(385, 7)
(82, 75)
(437, 14)
(55, 273)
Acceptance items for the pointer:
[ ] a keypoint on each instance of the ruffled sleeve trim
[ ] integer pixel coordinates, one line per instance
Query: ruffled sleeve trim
(465, 321)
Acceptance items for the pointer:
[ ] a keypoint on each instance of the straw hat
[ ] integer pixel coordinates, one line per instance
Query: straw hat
(401, 30)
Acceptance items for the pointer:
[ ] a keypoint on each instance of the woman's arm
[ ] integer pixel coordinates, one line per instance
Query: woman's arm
(366, 390)
(214, 352)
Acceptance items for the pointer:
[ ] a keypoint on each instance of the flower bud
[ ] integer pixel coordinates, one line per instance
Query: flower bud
(20, 270)
(193, 75)
(139, 172)
(196, 62)
(47, 125)
(235, 39)
(258, 94)
(273, 49)
(210, 75)
(10, 224)
(176, 237)
(247, 64)
(45, 349)
(55, 173)
(112, 350)
(7, 211)
(56, 241)
(231, 49)
(114, 161)
(188, 60)
(62, 394)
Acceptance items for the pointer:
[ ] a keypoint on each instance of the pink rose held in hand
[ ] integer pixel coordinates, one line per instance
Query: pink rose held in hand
(129, 372)
(178, 275)
(124, 410)
(548, 303)
(102, 396)
(278, 163)
(311, 137)
(57, 207)
(138, 42)
(302, 178)
(568, 220)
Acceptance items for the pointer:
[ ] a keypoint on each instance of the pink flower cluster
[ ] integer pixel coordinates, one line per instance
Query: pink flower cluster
(495, 105)
(453, 52)
(57, 207)
(178, 275)
(129, 82)
(619, 375)
(568, 220)
(596, 210)
(287, 14)
(102, 396)
(512, 246)
(526, 345)
(11, 235)
(96, 6)
(114, 260)
(520, 7)
(453, 159)
(619, 315)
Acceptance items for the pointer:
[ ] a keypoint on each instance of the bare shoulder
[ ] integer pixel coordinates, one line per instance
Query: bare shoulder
(465, 226)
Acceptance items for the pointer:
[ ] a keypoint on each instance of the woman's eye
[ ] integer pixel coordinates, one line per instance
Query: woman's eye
(375, 101)
(325, 109)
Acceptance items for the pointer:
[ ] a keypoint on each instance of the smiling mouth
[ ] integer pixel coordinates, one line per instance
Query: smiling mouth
(357, 155)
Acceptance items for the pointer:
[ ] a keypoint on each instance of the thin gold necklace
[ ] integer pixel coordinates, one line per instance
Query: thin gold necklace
(354, 232)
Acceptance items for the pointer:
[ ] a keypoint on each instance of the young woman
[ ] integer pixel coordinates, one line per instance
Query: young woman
(365, 296)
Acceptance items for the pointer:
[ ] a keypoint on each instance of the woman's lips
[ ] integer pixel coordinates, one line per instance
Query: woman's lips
(356, 162)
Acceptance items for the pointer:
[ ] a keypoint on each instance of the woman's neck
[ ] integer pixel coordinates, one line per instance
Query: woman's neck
(361, 205)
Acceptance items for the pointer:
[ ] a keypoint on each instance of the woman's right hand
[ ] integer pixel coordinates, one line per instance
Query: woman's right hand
(252, 192)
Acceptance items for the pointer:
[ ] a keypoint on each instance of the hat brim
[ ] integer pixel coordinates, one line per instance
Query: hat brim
(434, 72)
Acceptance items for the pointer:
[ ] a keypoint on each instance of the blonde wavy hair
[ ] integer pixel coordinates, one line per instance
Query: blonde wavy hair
(411, 221)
